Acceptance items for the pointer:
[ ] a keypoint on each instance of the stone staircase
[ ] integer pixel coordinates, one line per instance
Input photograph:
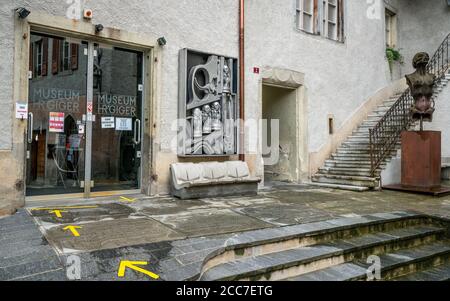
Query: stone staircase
(350, 166)
(409, 246)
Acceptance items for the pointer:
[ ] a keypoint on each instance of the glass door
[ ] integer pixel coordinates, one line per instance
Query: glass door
(85, 110)
(56, 106)
(117, 129)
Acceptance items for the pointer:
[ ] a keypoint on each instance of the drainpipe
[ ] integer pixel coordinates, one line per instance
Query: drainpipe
(241, 80)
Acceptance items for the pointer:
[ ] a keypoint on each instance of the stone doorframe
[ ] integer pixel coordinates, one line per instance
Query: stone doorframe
(294, 80)
(83, 30)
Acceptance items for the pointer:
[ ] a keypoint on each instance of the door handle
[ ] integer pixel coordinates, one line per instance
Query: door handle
(30, 127)
(137, 132)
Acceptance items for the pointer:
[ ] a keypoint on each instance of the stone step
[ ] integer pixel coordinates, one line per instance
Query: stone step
(439, 273)
(341, 186)
(345, 149)
(406, 261)
(362, 144)
(300, 260)
(362, 172)
(355, 157)
(350, 164)
(347, 180)
(356, 139)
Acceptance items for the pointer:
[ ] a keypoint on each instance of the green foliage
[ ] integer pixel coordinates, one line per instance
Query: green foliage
(393, 55)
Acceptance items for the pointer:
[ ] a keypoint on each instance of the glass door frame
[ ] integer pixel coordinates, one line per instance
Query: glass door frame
(90, 116)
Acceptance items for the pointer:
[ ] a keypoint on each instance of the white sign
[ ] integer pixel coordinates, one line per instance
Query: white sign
(21, 111)
(108, 123)
(81, 129)
(124, 124)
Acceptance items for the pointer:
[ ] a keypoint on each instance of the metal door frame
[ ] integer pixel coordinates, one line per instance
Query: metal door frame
(90, 117)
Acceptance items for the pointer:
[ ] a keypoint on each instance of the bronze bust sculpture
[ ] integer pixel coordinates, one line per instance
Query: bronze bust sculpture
(421, 84)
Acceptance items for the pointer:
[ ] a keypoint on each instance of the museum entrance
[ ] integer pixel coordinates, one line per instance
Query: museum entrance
(84, 123)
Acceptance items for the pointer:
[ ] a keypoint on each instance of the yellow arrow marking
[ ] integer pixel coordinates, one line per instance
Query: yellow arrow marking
(57, 213)
(134, 266)
(73, 229)
(127, 199)
(61, 208)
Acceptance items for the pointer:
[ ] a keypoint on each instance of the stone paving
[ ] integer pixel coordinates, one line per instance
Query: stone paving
(172, 236)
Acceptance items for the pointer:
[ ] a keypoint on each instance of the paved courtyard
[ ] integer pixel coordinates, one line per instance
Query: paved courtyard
(169, 238)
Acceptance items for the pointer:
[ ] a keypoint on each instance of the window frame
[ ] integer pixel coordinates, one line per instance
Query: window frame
(320, 23)
(63, 58)
(38, 58)
(390, 27)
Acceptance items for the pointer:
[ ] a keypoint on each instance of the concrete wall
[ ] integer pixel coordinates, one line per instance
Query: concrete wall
(339, 77)
(422, 26)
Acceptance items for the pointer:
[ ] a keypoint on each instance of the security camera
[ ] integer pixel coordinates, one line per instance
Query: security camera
(162, 41)
(98, 28)
(22, 12)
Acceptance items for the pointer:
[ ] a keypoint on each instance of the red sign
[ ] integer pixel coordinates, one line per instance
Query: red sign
(89, 107)
(256, 70)
(56, 122)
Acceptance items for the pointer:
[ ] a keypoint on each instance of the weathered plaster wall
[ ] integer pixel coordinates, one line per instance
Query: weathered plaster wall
(339, 77)
(441, 120)
(422, 26)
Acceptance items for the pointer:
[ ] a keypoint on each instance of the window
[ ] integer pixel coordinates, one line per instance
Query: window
(321, 17)
(391, 28)
(330, 19)
(64, 56)
(305, 15)
(39, 57)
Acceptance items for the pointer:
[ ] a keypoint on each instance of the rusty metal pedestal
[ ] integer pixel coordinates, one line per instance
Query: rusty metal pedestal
(421, 164)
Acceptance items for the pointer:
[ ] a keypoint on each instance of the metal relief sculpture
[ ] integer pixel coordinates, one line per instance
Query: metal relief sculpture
(421, 84)
(208, 104)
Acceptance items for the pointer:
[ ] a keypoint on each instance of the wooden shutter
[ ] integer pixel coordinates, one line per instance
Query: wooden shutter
(30, 68)
(316, 21)
(74, 56)
(55, 56)
(44, 56)
(340, 20)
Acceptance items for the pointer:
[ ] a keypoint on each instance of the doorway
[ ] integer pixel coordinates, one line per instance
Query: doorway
(85, 111)
(281, 104)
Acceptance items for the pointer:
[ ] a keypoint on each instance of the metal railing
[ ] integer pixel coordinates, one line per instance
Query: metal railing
(387, 133)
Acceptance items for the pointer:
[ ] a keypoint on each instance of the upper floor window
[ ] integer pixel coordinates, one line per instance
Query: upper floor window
(321, 17)
(64, 56)
(39, 57)
(391, 28)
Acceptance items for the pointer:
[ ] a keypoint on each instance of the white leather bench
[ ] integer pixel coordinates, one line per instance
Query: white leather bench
(212, 179)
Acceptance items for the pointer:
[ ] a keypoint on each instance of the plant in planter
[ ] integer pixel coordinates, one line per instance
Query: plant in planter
(393, 55)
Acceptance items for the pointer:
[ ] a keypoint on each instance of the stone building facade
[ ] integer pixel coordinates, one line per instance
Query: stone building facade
(312, 64)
